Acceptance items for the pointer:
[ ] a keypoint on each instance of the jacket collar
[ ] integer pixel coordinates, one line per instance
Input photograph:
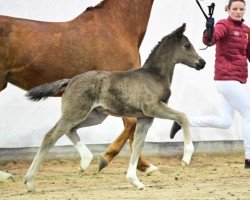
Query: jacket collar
(235, 21)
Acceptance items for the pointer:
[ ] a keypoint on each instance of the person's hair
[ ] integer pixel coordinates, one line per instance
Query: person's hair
(230, 3)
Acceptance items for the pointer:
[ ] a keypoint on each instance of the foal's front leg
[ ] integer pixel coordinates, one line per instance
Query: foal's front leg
(161, 110)
(143, 124)
(142, 164)
(115, 147)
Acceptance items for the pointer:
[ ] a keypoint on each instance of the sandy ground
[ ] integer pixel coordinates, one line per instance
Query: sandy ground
(208, 177)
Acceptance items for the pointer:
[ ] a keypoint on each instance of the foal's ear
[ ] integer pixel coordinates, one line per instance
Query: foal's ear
(179, 31)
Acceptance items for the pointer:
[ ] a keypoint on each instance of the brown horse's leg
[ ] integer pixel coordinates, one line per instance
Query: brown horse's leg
(115, 147)
(3, 82)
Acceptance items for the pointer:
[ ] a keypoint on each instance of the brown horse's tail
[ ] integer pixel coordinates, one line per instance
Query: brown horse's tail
(47, 90)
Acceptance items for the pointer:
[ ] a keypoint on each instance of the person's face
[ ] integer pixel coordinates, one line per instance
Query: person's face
(237, 10)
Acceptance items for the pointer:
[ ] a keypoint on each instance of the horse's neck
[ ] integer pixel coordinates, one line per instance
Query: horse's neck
(167, 72)
(131, 16)
(162, 66)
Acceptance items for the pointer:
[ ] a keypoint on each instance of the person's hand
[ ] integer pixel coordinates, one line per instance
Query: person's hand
(210, 22)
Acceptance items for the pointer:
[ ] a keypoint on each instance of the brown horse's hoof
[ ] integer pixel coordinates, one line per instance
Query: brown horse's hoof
(152, 169)
(102, 163)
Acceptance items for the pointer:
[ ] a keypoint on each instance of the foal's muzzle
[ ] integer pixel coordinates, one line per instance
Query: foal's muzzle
(201, 64)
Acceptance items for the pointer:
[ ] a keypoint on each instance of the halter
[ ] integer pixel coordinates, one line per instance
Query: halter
(210, 13)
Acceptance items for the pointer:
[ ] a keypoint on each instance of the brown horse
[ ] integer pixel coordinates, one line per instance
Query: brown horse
(104, 37)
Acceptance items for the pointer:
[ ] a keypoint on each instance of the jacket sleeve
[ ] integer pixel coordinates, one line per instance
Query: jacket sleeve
(248, 48)
(220, 31)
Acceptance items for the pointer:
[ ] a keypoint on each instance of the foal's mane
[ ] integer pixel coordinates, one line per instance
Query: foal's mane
(155, 49)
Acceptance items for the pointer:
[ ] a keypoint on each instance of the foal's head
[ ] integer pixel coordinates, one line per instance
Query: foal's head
(183, 50)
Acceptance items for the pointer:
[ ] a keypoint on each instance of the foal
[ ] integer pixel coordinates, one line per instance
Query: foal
(143, 93)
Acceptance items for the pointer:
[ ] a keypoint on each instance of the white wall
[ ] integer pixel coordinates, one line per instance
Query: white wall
(24, 123)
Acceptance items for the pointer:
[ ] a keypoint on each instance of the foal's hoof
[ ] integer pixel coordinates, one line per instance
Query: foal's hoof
(102, 163)
(141, 187)
(85, 162)
(184, 163)
(135, 182)
(30, 189)
(6, 176)
(29, 185)
(80, 170)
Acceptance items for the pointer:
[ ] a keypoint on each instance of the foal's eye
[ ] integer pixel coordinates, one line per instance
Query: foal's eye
(188, 46)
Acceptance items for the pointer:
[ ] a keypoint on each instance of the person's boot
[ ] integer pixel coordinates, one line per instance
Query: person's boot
(247, 164)
(175, 128)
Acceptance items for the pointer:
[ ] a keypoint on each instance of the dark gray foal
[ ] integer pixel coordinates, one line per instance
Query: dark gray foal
(143, 93)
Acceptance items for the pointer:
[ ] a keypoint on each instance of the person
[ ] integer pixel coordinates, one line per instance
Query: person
(232, 40)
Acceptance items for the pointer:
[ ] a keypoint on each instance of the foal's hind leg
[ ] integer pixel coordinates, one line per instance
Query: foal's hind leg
(85, 153)
(116, 146)
(94, 118)
(48, 142)
(67, 122)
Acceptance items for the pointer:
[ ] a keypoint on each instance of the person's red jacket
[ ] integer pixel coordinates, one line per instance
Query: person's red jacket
(232, 40)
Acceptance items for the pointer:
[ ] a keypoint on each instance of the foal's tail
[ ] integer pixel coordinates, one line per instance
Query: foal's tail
(47, 90)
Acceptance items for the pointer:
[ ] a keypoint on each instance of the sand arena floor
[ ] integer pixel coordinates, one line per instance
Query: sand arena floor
(207, 177)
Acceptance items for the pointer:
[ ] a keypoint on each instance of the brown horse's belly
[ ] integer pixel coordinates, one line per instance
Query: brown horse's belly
(40, 73)
(27, 79)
